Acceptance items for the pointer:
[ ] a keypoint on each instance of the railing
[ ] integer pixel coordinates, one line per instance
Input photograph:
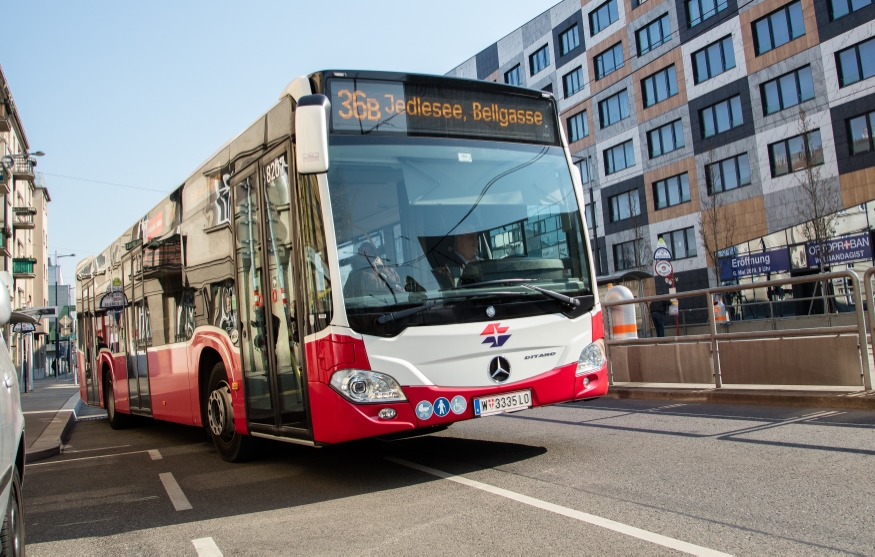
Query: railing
(714, 338)
(23, 166)
(23, 217)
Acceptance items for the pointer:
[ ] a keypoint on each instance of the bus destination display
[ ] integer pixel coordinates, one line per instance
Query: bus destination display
(366, 106)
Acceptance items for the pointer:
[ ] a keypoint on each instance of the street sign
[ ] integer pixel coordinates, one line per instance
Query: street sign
(23, 327)
(114, 300)
(662, 253)
(663, 268)
(65, 321)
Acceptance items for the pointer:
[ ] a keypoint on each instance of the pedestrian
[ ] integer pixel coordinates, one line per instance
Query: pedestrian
(658, 309)
(55, 367)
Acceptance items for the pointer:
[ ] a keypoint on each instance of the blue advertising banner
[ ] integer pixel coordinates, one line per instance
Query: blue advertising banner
(841, 250)
(772, 261)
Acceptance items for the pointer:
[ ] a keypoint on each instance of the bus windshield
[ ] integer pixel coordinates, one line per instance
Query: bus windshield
(425, 222)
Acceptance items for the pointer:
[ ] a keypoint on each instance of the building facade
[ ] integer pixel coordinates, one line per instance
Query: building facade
(674, 107)
(23, 231)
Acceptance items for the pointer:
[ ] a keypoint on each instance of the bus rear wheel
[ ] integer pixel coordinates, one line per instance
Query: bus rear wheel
(12, 531)
(116, 420)
(232, 446)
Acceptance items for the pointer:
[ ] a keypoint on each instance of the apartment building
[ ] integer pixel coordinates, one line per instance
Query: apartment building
(673, 106)
(23, 229)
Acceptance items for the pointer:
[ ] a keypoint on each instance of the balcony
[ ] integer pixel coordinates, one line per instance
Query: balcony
(22, 167)
(23, 217)
(5, 233)
(22, 267)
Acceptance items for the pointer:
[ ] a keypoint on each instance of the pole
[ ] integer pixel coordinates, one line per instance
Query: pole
(57, 331)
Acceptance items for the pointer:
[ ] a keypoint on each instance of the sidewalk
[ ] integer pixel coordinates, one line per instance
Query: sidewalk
(847, 398)
(50, 410)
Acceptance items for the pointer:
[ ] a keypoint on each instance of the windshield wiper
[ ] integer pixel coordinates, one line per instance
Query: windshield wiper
(394, 316)
(491, 282)
(568, 301)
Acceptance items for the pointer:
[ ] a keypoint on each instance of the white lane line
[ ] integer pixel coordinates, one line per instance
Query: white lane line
(82, 458)
(565, 511)
(155, 454)
(69, 449)
(206, 547)
(177, 497)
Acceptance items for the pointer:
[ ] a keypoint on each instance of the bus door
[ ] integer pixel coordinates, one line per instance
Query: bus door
(91, 386)
(139, 334)
(270, 352)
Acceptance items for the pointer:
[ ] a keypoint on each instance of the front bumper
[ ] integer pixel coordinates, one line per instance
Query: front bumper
(336, 420)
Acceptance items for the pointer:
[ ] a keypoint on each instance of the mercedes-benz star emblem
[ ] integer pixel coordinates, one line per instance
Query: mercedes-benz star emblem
(499, 369)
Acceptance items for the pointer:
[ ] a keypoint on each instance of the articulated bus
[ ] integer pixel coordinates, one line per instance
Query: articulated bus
(377, 254)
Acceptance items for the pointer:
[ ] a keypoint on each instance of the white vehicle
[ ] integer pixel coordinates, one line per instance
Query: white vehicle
(11, 438)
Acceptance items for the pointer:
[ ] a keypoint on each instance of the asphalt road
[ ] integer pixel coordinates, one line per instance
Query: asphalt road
(728, 478)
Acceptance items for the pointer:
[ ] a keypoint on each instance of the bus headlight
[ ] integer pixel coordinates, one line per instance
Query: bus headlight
(592, 358)
(367, 386)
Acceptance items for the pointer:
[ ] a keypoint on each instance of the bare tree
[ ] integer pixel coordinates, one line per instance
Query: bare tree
(643, 252)
(717, 224)
(817, 203)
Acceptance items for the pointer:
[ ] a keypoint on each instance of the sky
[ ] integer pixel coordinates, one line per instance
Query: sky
(128, 99)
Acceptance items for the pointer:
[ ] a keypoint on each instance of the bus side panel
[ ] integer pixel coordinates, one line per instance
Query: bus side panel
(217, 340)
(120, 383)
(336, 420)
(170, 383)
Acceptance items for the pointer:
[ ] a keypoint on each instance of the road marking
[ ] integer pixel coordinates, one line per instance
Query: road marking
(177, 497)
(67, 449)
(565, 511)
(155, 454)
(82, 458)
(206, 547)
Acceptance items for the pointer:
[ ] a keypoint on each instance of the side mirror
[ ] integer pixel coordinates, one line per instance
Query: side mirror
(311, 134)
(5, 297)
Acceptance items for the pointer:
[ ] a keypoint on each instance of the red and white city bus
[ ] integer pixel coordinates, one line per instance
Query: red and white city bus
(378, 253)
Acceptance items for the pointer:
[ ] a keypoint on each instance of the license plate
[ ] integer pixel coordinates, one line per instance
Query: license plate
(507, 402)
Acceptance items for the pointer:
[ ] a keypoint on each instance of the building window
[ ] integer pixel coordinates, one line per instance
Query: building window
(841, 8)
(666, 139)
(589, 214)
(625, 255)
(614, 108)
(602, 16)
(856, 63)
(700, 10)
(721, 117)
(609, 61)
(653, 34)
(671, 191)
(539, 59)
(796, 153)
(778, 28)
(659, 86)
(624, 206)
(713, 60)
(586, 170)
(619, 157)
(728, 174)
(577, 127)
(788, 90)
(569, 40)
(573, 82)
(513, 76)
(682, 242)
(547, 88)
(861, 133)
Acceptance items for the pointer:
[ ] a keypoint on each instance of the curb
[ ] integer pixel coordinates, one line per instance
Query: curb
(855, 401)
(56, 433)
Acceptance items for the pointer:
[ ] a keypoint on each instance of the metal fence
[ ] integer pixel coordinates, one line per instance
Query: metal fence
(833, 337)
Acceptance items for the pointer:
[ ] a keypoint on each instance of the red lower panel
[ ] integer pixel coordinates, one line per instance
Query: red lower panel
(169, 384)
(598, 384)
(336, 420)
(120, 384)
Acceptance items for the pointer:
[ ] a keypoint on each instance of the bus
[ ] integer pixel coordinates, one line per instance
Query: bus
(377, 254)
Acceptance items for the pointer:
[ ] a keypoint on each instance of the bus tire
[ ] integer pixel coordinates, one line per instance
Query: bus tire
(12, 532)
(232, 446)
(117, 420)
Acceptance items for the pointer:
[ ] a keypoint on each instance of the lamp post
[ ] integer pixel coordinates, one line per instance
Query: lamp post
(58, 311)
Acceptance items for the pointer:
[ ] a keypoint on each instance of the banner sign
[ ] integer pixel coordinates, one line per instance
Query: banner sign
(840, 250)
(749, 264)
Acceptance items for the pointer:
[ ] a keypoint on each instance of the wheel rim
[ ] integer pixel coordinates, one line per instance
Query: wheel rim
(15, 524)
(219, 412)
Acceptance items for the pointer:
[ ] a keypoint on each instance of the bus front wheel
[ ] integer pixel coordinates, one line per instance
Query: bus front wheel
(232, 446)
(116, 420)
